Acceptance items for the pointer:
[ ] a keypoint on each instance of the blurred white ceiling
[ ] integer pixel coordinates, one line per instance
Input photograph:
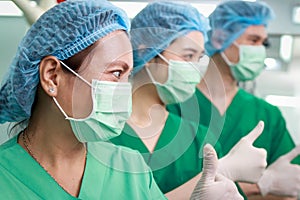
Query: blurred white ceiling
(284, 11)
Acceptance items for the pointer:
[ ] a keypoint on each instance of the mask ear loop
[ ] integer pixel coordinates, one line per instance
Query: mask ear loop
(227, 61)
(150, 75)
(163, 58)
(73, 72)
(80, 77)
(237, 46)
(168, 62)
(60, 108)
(225, 58)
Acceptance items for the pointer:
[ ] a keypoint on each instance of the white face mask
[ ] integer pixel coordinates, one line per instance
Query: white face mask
(181, 83)
(112, 105)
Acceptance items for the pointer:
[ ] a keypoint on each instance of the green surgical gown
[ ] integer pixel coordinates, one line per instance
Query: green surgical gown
(177, 156)
(240, 118)
(111, 172)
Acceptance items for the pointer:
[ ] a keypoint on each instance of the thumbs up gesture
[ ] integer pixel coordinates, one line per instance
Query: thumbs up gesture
(245, 162)
(282, 178)
(211, 185)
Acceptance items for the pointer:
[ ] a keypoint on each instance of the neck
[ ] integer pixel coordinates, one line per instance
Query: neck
(49, 139)
(218, 84)
(146, 102)
(51, 136)
(149, 114)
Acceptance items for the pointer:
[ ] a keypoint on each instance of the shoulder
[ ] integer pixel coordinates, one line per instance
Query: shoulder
(118, 157)
(262, 110)
(257, 101)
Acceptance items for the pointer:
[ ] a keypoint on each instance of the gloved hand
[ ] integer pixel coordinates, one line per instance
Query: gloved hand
(245, 162)
(282, 177)
(211, 185)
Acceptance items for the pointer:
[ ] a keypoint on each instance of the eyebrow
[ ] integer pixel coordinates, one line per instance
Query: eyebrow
(193, 50)
(119, 63)
(256, 37)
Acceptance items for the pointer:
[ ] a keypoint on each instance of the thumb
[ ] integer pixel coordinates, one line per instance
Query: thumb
(292, 154)
(210, 164)
(220, 177)
(256, 132)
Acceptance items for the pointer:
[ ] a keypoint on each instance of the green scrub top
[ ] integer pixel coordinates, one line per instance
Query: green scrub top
(177, 156)
(105, 177)
(240, 118)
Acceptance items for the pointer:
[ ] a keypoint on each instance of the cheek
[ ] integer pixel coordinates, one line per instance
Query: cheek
(81, 100)
(160, 73)
(232, 54)
(108, 77)
(172, 55)
(164, 73)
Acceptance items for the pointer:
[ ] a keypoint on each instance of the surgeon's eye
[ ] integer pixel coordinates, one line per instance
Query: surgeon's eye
(188, 57)
(200, 57)
(117, 74)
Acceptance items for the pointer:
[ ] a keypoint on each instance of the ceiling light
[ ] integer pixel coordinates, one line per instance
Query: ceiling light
(286, 46)
(296, 14)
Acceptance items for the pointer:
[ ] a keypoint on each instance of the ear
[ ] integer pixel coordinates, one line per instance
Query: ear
(49, 68)
(217, 38)
(141, 48)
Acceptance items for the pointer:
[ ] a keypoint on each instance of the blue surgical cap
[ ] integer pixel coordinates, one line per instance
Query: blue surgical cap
(230, 20)
(160, 23)
(62, 31)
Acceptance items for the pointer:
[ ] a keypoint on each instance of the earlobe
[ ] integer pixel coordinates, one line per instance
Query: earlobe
(215, 39)
(52, 90)
(49, 68)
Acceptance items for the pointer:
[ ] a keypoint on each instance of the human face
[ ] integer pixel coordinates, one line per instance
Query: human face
(189, 48)
(110, 60)
(253, 35)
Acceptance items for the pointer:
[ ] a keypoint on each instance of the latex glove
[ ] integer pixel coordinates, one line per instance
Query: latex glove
(245, 162)
(282, 178)
(211, 185)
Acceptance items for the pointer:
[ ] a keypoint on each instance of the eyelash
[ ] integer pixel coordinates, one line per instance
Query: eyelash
(119, 74)
(199, 59)
(188, 56)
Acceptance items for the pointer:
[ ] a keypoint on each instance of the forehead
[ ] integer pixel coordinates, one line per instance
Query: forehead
(193, 40)
(114, 47)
